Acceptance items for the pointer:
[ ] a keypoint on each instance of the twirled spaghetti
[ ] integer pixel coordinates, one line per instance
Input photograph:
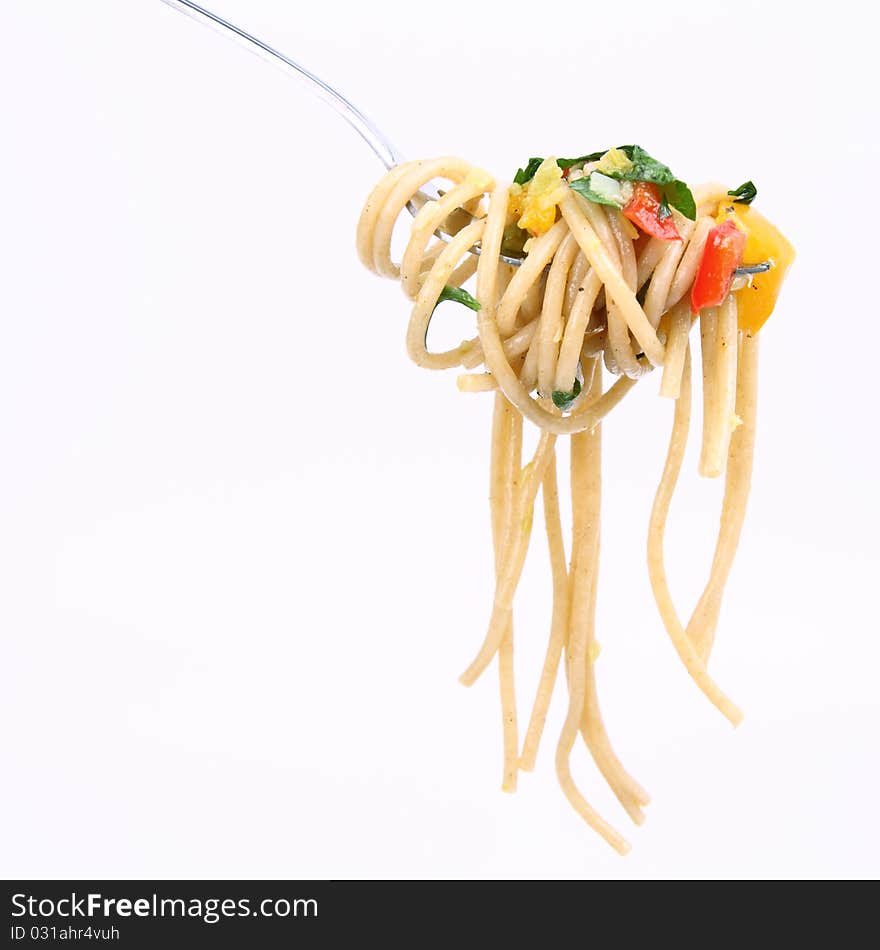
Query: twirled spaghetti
(620, 260)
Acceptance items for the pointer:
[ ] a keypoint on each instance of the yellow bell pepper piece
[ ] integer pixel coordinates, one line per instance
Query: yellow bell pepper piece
(765, 242)
(534, 204)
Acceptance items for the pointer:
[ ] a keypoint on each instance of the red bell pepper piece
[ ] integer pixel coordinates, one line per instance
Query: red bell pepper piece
(644, 211)
(723, 253)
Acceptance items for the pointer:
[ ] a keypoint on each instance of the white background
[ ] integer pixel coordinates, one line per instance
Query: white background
(244, 545)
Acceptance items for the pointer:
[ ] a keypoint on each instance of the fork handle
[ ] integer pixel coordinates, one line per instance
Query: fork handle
(385, 151)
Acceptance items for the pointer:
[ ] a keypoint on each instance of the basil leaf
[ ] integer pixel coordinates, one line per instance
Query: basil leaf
(569, 162)
(582, 187)
(528, 173)
(745, 194)
(459, 296)
(563, 400)
(677, 194)
(663, 211)
(644, 167)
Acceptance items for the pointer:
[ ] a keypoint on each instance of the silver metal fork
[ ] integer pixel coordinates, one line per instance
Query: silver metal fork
(385, 151)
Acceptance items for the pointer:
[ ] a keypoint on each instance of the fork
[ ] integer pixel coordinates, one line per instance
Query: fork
(381, 145)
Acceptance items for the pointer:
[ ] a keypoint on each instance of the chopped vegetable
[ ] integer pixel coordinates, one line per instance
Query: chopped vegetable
(459, 296)
(643, 167)
(526, 174)
(563, 400)
(614, 160)
(755, 302)
(650, 212)
(745, 194)
(723, 253)
(678, 195)
(535, 202)
(600, 189)
(513, 242)
(582, 160)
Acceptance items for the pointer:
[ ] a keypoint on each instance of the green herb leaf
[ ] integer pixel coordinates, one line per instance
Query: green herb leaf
(745, 194)
(459, 296)
(677, 194)
(528, 173)
(582, 160)
(563, 400)
(644, 167)
(582, 187)
(663, 211)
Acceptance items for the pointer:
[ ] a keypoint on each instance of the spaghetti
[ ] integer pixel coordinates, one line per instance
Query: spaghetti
(619, 259)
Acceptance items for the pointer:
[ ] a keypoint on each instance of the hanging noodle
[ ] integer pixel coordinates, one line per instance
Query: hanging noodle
(591, 290)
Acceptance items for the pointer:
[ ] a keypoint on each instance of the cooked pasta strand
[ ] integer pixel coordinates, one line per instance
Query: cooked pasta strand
(701, 629)
(586, 488)
(656, 568)
(558, 622)
(515, 546)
